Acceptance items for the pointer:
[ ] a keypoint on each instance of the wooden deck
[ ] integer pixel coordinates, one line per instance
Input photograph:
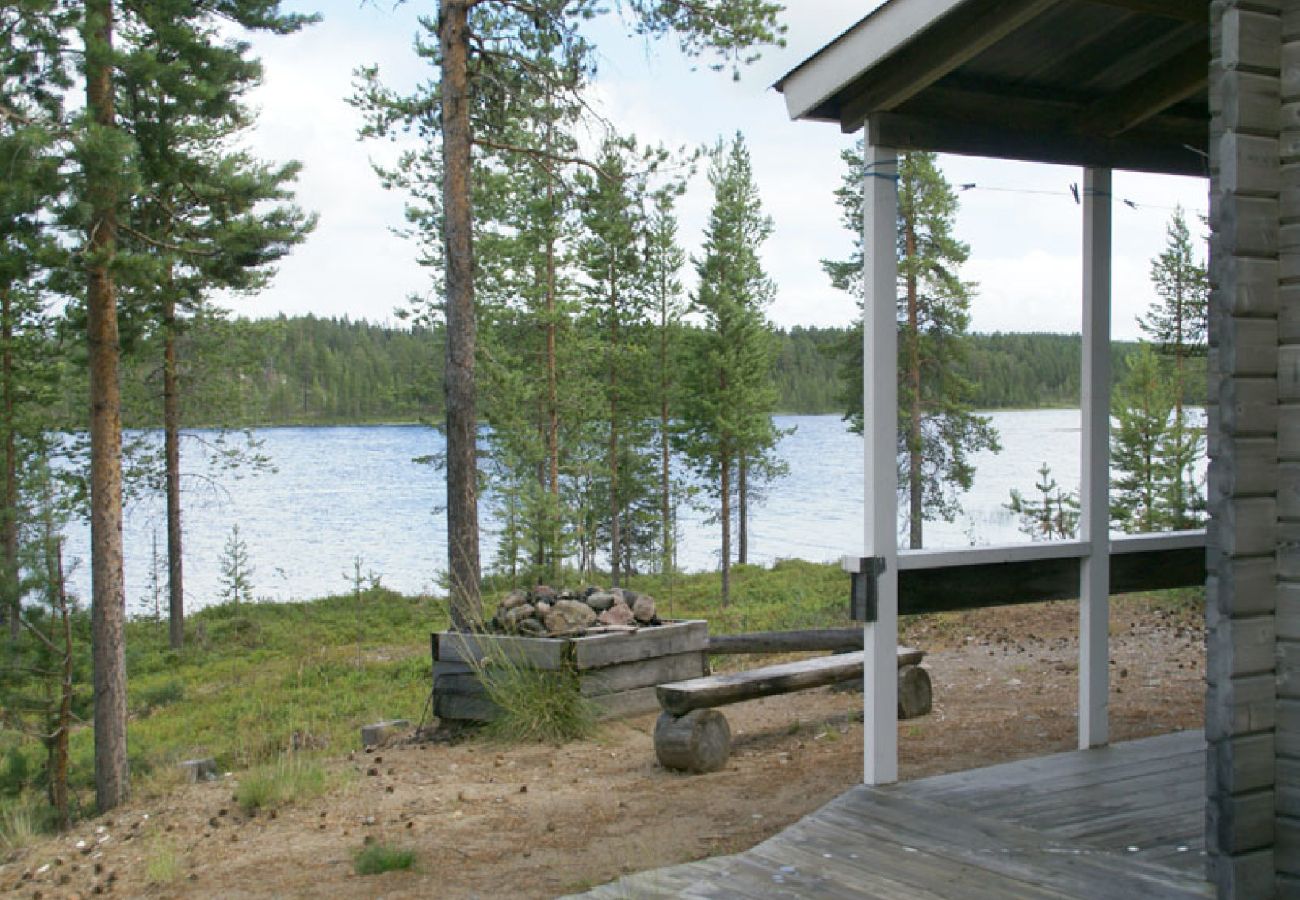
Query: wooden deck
(1117, 822)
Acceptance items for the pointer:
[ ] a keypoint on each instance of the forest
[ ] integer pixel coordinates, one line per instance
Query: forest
(306, 370)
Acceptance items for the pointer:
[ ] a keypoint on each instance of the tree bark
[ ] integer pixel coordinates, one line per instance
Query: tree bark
(615, 506)
(724, 487)
(459, 385)
(58, 752)
(108, 591)
(915, 487)
(9, 516)
(742, 512)
(172, 457)
(665, 475)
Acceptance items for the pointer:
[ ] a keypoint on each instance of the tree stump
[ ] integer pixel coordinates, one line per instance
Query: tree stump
(697, 742)
(913, 692)
(197, 770)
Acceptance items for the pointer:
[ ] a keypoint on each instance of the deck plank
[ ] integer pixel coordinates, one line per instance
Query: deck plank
(1117, 822)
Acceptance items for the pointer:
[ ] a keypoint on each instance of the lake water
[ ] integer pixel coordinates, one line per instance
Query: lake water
(341, 493)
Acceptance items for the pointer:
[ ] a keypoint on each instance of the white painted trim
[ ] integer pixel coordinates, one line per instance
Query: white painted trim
(880, 416)
(860, 48)
(1165, 540)
(909, 560)
(1094, 491)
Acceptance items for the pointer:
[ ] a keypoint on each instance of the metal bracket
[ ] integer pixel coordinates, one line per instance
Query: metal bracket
(865, 593)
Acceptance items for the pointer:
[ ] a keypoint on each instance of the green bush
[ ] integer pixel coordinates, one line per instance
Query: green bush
(378, 858)
(535, 705)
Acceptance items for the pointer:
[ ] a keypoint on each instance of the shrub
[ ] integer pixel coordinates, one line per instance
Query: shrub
(378, 858)
(163, 865)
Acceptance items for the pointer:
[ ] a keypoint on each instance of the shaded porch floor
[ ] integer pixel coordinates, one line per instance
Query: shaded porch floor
(1117, 822)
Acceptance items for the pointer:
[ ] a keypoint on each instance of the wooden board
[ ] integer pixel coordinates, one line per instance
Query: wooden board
(602, 650)
(540, 653)
(642, 673)
(626, 703)
(808, 639)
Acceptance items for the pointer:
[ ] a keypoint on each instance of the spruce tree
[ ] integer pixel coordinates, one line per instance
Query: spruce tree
(729, 394)
(937, 429)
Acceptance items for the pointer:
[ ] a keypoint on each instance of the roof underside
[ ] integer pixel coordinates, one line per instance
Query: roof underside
(1110, 83)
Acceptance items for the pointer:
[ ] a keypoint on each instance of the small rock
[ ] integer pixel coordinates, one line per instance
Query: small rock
(618, 614)
(568, 616)
(514, 616)
(644, 609)
(600, 600)
(534, 628)
(543, 608)
(381, 732)
(515, 598)
(546, 593)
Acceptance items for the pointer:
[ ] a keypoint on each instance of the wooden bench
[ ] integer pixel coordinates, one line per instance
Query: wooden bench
(692, 736)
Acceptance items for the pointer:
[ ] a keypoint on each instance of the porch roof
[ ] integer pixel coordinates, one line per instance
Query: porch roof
(1105, 83)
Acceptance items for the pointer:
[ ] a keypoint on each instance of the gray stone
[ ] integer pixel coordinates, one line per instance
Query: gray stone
(600, 600)
(514, 598)
(567, 616)
(197, 770)
(514, 616)
(532, 628)
(543, 608)
(380, 733)
(545, 592)
(644, 609)
(617, 614)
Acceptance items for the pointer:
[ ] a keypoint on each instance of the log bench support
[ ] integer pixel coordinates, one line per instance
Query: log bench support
(692, 736)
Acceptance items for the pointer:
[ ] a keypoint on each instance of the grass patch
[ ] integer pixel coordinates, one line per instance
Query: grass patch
(21, 822)
(379, 858)
(163, 865)
(289, 780)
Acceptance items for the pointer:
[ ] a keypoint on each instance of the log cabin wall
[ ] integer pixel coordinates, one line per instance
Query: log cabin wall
(1253, 556)
(1287, 616)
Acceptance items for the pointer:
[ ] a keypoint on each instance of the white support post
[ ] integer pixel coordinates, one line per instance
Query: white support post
(1094, 512)
(880, 420)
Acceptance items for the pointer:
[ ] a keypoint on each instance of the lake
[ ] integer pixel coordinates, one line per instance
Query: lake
(340, 493)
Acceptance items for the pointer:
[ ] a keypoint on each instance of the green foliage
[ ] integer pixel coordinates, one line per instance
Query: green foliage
(290, 779)
(1054, 515)
(236, 570)
(163, 864)
(1142, 407)
(375, 859)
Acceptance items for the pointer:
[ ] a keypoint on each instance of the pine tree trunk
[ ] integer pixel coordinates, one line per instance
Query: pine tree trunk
(1179, 502)
(58, 761)
(615, 506)
(459, 377)
(9, 516)
(915, 487)
(108, 591)
(724, 462)
(742, 513)
(665, 482)
(172, 456)
(552, 373)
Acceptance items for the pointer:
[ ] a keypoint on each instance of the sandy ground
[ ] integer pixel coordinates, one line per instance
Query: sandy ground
(540, 821)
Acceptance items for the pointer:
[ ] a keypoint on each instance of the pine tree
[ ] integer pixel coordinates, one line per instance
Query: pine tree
(1176, 324)
(206, 217)
(729, 392)
(1143, 406)
(1053, 516)
(937, 428)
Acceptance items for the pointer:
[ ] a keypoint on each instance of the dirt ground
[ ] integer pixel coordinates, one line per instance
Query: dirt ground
(543, 821)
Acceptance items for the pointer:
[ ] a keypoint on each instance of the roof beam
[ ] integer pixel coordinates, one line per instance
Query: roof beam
(1172, 151)
(1169, 83)
(1183, 10)
(953, 40)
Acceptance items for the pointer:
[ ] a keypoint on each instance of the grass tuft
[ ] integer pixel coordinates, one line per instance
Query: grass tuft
(291, 779)
(21, 821)
(536, 706)
(379, 858)
(163, 865)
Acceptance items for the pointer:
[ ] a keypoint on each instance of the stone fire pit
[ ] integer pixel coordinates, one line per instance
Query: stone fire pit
(612, 640)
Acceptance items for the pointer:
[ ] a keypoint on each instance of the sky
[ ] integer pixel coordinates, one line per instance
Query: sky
(1022, 225)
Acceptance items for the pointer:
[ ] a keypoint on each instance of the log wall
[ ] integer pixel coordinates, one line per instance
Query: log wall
(1253, 553)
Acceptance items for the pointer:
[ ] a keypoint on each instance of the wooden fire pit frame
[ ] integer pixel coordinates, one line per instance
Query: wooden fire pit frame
(619, 672)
